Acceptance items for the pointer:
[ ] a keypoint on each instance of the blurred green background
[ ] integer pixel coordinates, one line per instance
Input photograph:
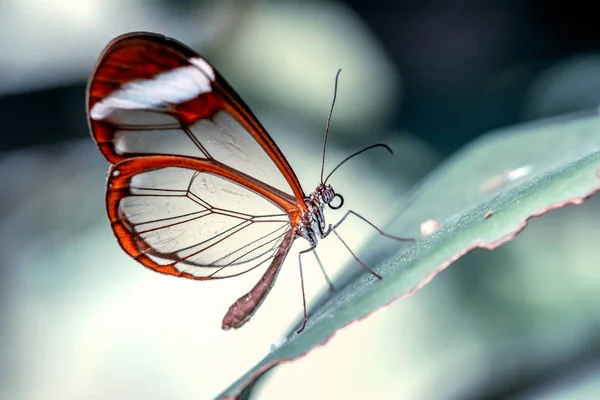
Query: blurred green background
(80, 320)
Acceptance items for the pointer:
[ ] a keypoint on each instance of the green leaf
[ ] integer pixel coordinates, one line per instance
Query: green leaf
(483, 196)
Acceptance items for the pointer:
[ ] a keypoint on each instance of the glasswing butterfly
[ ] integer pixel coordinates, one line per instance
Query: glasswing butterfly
(197, 188)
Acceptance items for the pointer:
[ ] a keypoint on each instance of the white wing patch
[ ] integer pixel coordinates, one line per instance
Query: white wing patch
(171, 87)
(203, 66)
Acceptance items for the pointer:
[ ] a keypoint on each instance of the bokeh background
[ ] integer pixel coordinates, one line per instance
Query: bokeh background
(80, 320)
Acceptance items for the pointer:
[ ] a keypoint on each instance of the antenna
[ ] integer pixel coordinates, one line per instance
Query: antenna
(337, 76)
(385, 146)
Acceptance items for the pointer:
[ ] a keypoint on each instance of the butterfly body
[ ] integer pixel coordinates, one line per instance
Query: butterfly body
(312, 226)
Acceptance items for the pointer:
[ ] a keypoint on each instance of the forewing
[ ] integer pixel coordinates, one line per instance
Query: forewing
(151, 95)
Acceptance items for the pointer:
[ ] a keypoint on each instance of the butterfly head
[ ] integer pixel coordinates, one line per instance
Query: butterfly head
(328, 196)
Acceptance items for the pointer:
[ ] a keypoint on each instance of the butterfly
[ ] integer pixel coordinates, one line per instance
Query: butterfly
(197, 188)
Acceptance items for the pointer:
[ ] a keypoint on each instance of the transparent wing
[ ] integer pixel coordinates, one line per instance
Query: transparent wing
(152, 95)
(193, 220)
(197, 188)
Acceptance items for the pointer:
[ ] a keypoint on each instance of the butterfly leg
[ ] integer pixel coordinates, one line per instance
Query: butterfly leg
(365, 266)
(329, 283)
(312, 248)
(350, 212)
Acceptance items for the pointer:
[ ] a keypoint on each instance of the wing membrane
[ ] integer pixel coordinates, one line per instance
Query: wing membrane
(153, 95)
(193, 219)
(197, 188)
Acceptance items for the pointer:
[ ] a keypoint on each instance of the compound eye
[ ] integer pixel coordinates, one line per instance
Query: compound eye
(328, 196)
(338, 206)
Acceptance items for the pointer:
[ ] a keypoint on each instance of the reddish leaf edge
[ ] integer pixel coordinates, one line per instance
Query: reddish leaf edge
(475, 245)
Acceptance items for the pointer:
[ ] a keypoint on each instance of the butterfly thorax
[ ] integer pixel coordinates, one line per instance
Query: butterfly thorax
(312, 224)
